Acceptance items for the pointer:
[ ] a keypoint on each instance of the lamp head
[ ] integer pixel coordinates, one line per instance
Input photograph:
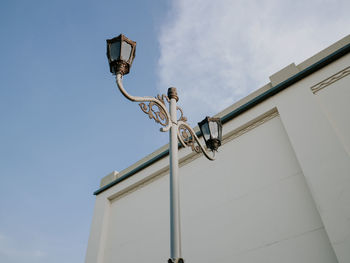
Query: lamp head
(120, 54)
(211, 129)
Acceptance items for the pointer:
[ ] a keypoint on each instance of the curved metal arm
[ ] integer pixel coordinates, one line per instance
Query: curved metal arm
(187, 140)
(161, 116)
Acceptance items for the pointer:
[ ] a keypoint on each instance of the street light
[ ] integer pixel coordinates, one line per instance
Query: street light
(121, 53)
(211, 129)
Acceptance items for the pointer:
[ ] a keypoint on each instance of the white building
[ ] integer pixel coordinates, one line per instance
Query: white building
(279, 190)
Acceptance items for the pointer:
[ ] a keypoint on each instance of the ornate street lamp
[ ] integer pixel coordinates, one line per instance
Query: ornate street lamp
(121, 53)
(211, 129)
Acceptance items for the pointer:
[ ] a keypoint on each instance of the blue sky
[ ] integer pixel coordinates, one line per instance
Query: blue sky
(63, 123)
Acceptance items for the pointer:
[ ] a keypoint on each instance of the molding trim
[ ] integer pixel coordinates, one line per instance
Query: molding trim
(250, 125)
(143, 182)
(328, 81)
(152, 177)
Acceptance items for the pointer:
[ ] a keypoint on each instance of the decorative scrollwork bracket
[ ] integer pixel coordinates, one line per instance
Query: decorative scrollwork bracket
(159, 114)
(157, 110)
(188, 138)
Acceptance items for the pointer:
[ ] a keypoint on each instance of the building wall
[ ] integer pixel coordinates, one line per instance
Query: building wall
(279, 190)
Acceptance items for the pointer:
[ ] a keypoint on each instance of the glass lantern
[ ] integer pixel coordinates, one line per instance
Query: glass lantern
(120, 54)
(211, 129)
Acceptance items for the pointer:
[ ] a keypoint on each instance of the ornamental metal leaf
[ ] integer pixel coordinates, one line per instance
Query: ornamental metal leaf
(182, 117)
(156, 112)
(188, 138)
(162, 98)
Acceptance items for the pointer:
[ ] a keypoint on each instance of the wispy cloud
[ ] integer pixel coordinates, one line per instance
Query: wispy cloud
(216, 52)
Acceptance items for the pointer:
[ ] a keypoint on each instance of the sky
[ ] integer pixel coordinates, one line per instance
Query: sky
(63, 123)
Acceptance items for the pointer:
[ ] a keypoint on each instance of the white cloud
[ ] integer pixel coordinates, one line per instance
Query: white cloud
(216, 52)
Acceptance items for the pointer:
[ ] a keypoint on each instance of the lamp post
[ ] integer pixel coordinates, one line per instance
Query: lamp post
(121, 53)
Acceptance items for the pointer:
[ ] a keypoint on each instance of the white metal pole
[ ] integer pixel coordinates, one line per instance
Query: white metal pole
(175, 233)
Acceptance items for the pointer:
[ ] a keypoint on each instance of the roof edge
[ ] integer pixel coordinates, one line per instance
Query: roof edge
(290, 81)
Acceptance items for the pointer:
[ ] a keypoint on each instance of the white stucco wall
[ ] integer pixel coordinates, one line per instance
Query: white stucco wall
(279, 190)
